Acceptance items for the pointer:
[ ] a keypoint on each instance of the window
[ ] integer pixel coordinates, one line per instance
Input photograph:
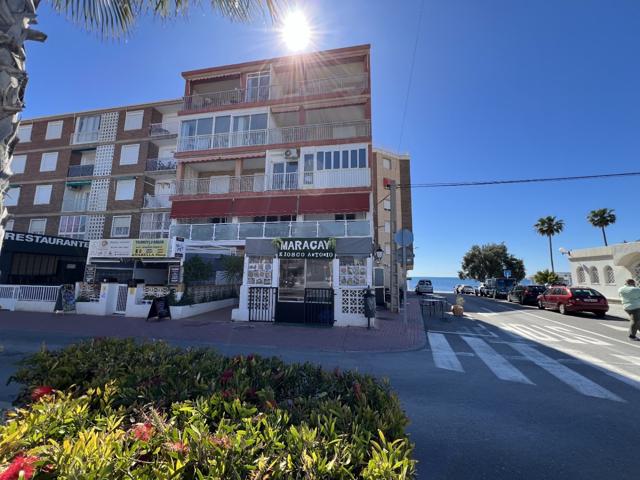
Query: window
(54, 130)
(386, 204)
(593, 275)
(18, 163)
(73, 226)
(129, 154)
(48, 162)
(341, 159)
(43, 195)
(155, 225)
(344, 216)
(258, 86)
(133, 120)
(9, 225)
(125, 189)
(88, 123)
(386, 163)
(38, 225)
(581, 275)
(609, 276)
(120, 226)
(24, 133)
(12, 196)
(387, 227)
(387, 249)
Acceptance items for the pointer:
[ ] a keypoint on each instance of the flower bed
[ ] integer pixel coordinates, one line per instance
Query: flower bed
(115, 409)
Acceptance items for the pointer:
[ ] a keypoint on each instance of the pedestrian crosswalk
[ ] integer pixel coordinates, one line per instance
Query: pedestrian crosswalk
(511, 361)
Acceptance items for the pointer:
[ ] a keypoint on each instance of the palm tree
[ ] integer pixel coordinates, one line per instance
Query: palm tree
(549, 226)
(602, 218)
(113, 18)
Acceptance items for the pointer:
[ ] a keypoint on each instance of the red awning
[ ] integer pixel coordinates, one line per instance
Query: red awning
(201, 208)
(243, 207)
(340, 203)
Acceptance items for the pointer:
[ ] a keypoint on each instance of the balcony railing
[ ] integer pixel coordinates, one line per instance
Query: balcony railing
(157, 201)
(221, 184)
(75, 203)
(242, 231)
(161, 164)
(164, 129)
(85, 137)
(274, 136)
(350, 84)
(80, 171)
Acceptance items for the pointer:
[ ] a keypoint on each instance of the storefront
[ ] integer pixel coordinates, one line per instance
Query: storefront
(31, 259)
(306, 280)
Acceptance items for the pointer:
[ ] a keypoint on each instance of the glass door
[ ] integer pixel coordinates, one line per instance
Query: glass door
(258, 87)
(285, 176)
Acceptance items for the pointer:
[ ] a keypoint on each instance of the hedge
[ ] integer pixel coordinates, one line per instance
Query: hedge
(118, 409)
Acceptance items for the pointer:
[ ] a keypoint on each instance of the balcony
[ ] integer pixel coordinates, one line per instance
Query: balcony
(222, 184)
(276, 136)
(85, 137)
(242, 231)
(161, 165)
(80, 171)
(75, 203)
(345, 85)
(164, 129)
(157, 201)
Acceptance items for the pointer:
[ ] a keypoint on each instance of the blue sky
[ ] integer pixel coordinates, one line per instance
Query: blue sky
(501, 89)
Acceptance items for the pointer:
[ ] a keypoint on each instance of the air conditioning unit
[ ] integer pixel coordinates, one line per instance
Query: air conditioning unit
(291, 153)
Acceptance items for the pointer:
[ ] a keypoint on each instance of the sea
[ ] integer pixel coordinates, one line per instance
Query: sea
(445, 284)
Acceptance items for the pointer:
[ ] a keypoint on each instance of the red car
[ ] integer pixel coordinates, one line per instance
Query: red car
(574, 299)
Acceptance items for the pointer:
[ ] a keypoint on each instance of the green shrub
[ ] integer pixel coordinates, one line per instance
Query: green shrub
(144, 411)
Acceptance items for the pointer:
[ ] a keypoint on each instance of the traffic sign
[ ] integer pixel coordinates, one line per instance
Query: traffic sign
(507, 273)
(404, 237)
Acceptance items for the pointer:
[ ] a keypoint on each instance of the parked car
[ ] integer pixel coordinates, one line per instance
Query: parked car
(480, 290)
(576, 299)
(424, 286)
(525, 294)
(468, 289)
(498, 287)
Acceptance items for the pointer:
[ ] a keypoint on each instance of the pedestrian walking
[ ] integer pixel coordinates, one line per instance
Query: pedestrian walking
(630, 296)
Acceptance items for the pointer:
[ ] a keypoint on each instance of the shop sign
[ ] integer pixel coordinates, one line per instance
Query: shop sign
(110, 248)
(306, 248)
(178, 247)
(174, 274)
(149, 248)
(90, 274)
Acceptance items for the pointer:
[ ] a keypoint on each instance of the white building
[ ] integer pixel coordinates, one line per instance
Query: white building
(606, 268)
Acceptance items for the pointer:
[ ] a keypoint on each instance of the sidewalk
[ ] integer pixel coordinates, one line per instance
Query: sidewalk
(390, 334)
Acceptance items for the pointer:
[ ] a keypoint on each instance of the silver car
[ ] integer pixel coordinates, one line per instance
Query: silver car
(424, 286)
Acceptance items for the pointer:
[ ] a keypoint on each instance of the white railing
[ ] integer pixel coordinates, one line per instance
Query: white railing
(30, 293)
(75, 203)
(242, 231)
(274, 136)
(85, 137)
(163, 129)
(157, 201)
(221, 184)
(161, 164)
(349, 84)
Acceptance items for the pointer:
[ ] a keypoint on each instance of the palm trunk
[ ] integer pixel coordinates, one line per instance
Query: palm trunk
(15, 19)
(551, 254)
(604, 235)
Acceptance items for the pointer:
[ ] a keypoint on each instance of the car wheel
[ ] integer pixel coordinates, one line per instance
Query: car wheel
(600, 314)
(521, 302)
(562, 309)
(540, 305)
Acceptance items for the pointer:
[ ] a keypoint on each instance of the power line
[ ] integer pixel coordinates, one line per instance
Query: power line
(523, 180)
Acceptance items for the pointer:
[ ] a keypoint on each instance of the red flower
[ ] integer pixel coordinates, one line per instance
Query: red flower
(178, 447)
(20, 464)
(220, 441)
(227, 394)
(226, 376)
(143, 431)
(41, 391)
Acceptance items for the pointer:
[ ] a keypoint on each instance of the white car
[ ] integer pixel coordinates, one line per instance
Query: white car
(424, 286)
(468, 289)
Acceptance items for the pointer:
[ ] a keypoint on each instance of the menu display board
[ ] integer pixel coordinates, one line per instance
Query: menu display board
(260, 271)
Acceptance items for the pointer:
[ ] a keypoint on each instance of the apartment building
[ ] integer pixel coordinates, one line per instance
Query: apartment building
(390, 167)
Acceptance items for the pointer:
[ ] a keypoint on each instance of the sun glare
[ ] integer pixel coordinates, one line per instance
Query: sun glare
(295, 31)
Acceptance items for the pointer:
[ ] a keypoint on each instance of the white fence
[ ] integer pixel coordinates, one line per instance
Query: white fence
(33, 298)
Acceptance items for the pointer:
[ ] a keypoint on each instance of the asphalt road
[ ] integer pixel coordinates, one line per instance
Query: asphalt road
(507, 392)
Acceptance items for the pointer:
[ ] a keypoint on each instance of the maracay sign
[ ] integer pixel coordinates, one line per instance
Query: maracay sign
(306, 248)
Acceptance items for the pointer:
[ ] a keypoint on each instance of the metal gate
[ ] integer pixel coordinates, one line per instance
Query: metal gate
(121, 300)
(262, 304)
(318, 306)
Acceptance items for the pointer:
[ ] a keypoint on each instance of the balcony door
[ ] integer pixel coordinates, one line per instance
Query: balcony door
(285, 176)
(250, 130)
(258, 87)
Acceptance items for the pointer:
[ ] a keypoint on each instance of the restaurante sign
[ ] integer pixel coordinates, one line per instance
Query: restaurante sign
(306, 248)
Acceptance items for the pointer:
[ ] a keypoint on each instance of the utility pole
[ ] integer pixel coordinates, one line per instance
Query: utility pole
(393, 283)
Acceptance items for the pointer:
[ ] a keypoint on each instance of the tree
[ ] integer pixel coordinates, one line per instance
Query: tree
(490, 260)
(113, 18)
(232, 269)
(549, 226)
(545, 276)
(602, 218)
(196, 269)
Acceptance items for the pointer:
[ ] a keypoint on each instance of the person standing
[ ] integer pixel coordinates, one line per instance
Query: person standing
(630, 296)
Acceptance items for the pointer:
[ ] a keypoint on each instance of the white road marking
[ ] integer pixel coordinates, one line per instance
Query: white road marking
(616, 327)
(482, 328)
(496, 363)
(576, 381)
(628, 358)
(610, 369)
(443, 356)
(529, 331)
